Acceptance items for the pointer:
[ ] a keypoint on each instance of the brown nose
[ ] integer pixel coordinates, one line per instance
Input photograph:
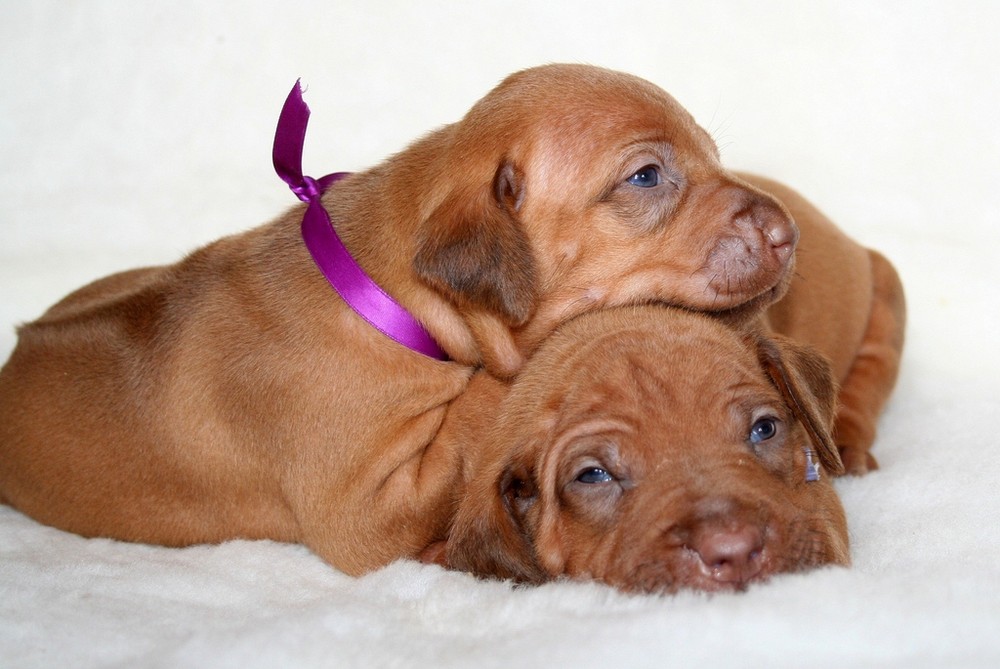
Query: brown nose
(729, 552)
(776, 226)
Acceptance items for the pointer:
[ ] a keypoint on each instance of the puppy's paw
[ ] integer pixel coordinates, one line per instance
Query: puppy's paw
(857, 461)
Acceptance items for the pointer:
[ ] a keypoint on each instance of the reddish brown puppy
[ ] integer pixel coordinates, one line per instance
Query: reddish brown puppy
(233, 394)
(655, 449)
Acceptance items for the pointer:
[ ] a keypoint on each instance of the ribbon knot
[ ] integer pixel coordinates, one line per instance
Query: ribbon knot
(351, 282)
(307, 191)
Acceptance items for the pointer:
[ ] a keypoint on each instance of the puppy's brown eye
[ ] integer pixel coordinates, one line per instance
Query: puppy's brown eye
(647, 177)
(594, 475)
(763, 429)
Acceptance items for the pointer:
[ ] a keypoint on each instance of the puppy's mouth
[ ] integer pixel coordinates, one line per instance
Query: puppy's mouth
(733, 311)
(798, 546)
(752, 308)
(747, 271)
(663, 578)
(739, 306)
(736, 304)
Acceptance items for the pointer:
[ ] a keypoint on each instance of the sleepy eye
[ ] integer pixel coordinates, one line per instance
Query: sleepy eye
(763, 429)
(647, 177)
(594, 475)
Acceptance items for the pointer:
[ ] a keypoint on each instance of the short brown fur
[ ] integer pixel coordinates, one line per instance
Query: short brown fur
(234, 395)
(648, 395)
(662, 403)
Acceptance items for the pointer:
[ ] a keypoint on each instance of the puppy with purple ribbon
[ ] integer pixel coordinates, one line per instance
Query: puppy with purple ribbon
(309, 380)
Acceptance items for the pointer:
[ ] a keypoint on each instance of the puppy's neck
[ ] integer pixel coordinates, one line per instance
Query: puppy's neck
(377, 214)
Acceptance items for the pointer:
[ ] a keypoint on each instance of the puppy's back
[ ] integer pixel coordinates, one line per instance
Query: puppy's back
(101, 429)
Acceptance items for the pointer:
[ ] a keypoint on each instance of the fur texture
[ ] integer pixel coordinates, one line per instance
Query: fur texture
(234, 395)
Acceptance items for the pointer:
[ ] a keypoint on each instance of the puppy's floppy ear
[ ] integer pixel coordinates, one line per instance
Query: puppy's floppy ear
(804, 378)
(488, 536)
(474, 249)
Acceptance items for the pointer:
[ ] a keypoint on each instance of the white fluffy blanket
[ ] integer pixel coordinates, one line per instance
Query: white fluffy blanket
(131, 133)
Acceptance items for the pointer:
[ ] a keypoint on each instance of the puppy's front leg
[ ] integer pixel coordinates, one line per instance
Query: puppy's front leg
(394, 498)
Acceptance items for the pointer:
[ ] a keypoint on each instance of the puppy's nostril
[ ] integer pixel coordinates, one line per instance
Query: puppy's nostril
(779, 230)
(782, 234)
(782, 251)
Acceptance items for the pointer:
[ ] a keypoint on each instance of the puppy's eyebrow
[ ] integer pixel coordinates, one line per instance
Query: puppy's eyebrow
(657, 144)
(657, 149)
(660, 149)
(746, 396)
(595, 426)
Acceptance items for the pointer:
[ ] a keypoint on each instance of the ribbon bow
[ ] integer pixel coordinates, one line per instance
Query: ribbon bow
(350, 281)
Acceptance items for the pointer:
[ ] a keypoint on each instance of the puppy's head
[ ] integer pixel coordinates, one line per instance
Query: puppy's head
(569, 188)
(654, 449)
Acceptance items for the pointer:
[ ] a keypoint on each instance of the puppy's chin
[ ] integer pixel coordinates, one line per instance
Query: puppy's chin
(741, 316)
(748, 312)
(654, 579)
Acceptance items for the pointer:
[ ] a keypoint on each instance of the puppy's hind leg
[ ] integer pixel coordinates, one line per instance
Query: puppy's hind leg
(872, 376)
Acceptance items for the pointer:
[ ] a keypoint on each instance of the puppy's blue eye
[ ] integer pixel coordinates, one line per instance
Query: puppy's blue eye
(647, 177)
(763, 429)
(594, 475)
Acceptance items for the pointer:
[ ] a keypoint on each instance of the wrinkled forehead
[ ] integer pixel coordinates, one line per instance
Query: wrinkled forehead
(667, 373)
(636, 365)
(655, 390)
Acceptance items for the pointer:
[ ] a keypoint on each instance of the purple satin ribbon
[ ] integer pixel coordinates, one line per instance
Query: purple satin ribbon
(351, 282)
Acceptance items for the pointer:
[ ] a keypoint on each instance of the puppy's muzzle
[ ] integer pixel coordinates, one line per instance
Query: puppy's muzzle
(756, 251)
(725, 540)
